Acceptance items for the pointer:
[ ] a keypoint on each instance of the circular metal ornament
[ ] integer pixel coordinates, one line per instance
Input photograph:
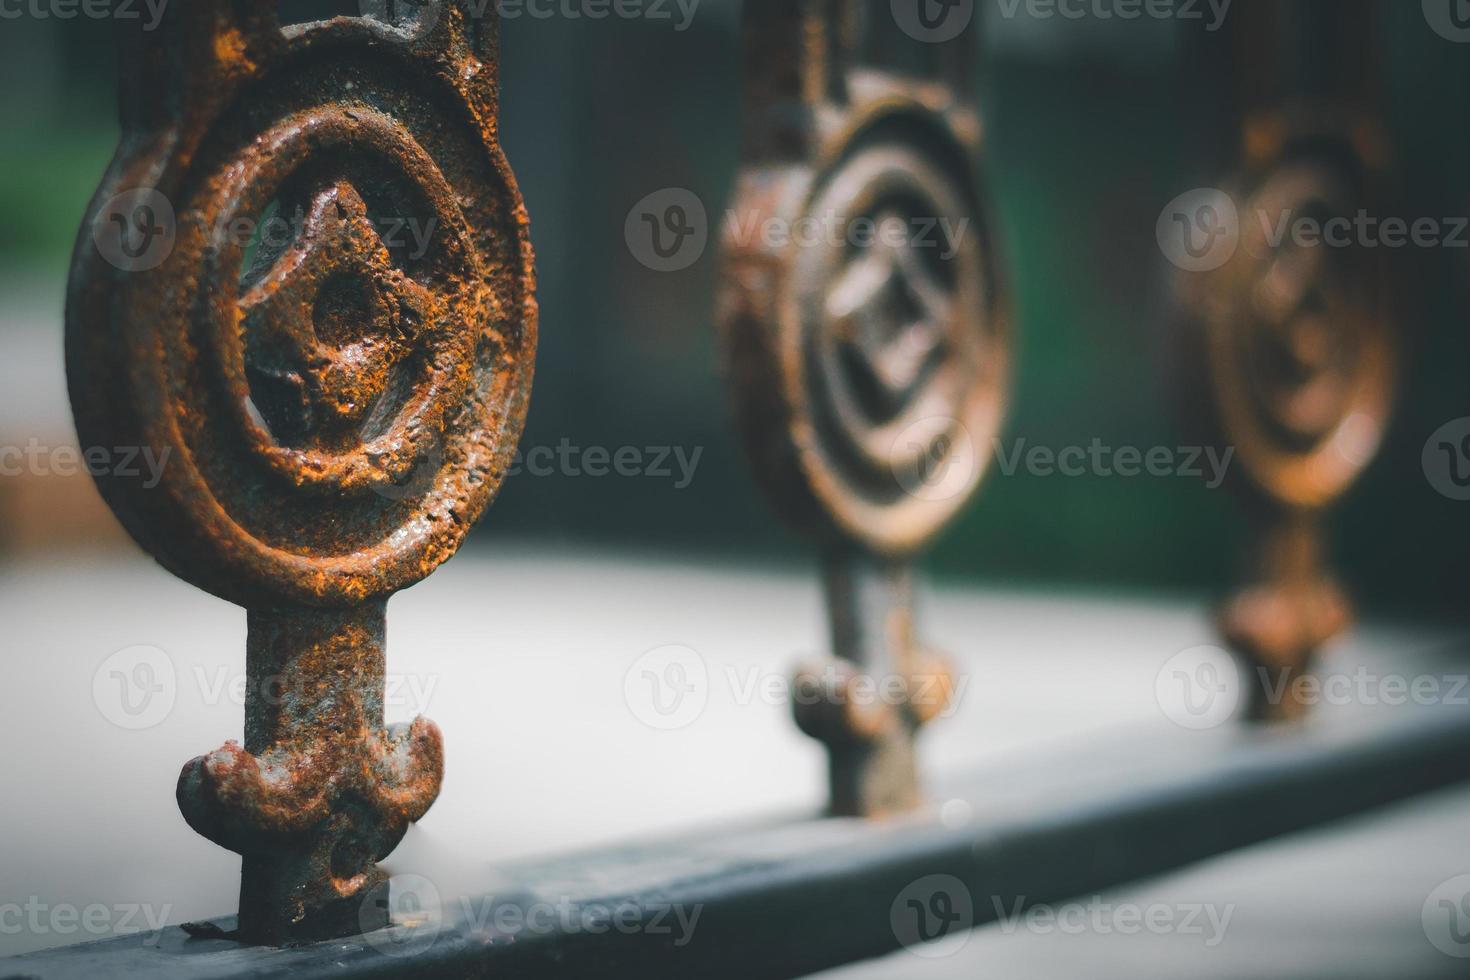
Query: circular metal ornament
(1298, 331)
(880, 380)
(342, 366)
(337, 355)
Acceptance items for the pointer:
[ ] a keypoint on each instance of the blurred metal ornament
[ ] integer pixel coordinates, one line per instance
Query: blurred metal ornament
(309, 283)
(1299, 333)
(868, 344)
(1294, 331)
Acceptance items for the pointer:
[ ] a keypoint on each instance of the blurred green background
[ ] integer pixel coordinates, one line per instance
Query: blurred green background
(1090, 134)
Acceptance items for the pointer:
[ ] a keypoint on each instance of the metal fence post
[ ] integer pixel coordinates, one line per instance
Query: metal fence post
(867, 334)
(1292, 326)
(306, 283)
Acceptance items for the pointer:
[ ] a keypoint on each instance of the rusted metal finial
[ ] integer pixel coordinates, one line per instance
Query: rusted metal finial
(332, 346)
(1295, 336)
(868, 344)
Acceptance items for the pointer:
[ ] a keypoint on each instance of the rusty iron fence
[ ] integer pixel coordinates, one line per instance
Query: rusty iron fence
(342, 410)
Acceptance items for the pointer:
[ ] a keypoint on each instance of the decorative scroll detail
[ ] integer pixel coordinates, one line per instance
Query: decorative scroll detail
(335, 354)
(868, 358)
(351, 361)
(1297, 344)
(228, 797)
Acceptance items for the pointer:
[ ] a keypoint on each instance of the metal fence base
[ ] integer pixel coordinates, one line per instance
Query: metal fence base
(788, 898)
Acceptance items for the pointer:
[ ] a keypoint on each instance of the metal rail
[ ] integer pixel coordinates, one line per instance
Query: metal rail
(788, 898)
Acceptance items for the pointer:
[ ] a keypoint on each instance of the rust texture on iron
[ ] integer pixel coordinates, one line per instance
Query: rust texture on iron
(868, 359)
(1296, 340)
(336, 355)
